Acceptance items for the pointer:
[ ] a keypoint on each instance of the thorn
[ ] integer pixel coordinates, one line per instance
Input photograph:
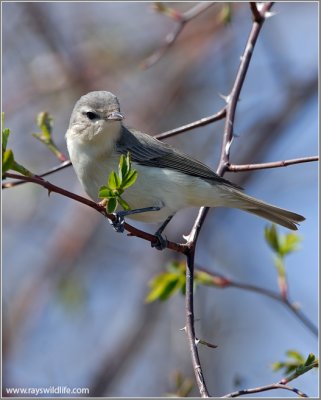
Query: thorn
(270, 14)
(197, 341)
(225, 98)
(49, 192)
(183, 329)
(203, 342)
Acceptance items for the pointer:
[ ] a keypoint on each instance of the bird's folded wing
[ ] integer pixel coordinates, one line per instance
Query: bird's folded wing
(146, 150)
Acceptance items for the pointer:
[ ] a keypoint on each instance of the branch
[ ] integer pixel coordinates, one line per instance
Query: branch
(255, 12)
(180, 248)
(233, 97)
(170, 39)
(189, 308)
(264, 389)
(67, 163)
(201, 122)
(222, 282)
(274, 164)
(224, 160)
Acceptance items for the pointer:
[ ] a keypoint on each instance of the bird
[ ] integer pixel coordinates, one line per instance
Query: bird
(167, 179)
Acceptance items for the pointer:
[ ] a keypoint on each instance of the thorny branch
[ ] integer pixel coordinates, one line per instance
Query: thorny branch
(232, 100)
(223, 282)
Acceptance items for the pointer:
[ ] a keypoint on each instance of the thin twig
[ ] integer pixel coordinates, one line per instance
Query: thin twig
(274, 164)
(170, 39)
(228, 283)
(264, 389)
(65, 164)
(180, 248)
(196, 124)
(234, 96)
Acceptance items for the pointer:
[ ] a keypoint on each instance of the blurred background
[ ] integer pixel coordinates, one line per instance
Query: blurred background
(74, 311)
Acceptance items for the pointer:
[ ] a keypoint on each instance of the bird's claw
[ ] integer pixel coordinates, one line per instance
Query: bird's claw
(160, 242)
(119, 223)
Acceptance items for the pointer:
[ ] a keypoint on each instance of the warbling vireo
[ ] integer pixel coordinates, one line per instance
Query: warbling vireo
(167, 178)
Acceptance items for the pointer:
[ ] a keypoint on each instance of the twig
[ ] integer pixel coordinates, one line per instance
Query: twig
(170, 39)
(228, 283)
(180, 248)
(257, 17)
(201, 122)
(264, 389)
(274, 164)
(237, 87)
(189, 307)
(65, 164)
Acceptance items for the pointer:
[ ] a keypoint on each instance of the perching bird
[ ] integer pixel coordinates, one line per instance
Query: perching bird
(167, 178)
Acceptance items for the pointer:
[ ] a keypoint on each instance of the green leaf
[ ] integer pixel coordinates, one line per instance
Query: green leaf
(5, 137)
(7, 160)
(111, 205)
(106, 193)
(296, 364)
(113, 180)
(130, 179)
(45, 122)
(290, 243)
(272, 238)
(295, 355)
(123, 203)
(310, 360)
(21, 169)
(163, 286)
(123, 167)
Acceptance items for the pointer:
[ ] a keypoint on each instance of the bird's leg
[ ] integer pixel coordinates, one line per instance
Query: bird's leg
(119, 223)
(161, 243)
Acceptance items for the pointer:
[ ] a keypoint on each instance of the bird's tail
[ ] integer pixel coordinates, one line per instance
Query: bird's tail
(274, 214)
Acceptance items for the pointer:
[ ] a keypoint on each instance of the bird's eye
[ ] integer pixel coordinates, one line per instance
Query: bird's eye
(91, 115)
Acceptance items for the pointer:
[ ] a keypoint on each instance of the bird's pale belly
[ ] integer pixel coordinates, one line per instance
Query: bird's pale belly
(158, 187)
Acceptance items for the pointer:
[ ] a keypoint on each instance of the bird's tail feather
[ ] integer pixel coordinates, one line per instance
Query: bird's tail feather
(274, 214)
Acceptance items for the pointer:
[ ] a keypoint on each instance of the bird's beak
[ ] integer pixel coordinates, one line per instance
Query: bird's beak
(115, 116)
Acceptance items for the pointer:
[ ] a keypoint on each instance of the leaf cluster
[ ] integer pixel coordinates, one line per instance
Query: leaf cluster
(117, 183)
(173, 280)
(45, 123)
(282, 246)
(8, 159)
(296, 364)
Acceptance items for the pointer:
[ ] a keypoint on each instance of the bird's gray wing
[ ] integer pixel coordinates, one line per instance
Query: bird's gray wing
(146, 150)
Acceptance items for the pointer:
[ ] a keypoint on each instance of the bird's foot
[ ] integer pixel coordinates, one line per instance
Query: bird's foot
(119, 223)
(160, 242)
